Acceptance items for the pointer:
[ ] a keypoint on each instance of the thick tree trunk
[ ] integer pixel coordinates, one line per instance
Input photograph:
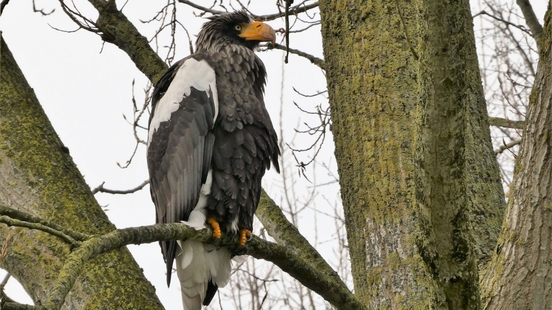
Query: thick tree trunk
(520, 276)
(458, 181)
(413, 149)
(38, 176)
(372, 84)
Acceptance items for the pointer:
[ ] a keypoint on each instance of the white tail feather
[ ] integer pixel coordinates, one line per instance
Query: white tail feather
(192, 273)
(196, 264)
(219, 264)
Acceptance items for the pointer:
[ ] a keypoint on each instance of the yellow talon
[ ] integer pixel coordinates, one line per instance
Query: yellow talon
(216, 227)
(244, 234)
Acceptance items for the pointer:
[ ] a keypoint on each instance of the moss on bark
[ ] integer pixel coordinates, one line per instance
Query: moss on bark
(417, 172)
(39, 177)
(372, 84)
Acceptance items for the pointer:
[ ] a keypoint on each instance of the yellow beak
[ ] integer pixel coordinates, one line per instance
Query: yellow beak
(258, 31)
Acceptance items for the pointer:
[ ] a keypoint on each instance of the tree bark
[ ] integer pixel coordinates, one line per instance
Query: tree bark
(371, 75)
(458, 181)
(520, 274)
(416, 165)
(38, 176)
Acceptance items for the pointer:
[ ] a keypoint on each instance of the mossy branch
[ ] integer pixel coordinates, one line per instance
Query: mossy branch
(12, 217)
(531, 20)
(288, 236)
(503, 122)
(321, 280)
(117, 29)
(11, 305)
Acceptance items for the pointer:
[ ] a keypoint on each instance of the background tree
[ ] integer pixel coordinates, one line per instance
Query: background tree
(422, 194)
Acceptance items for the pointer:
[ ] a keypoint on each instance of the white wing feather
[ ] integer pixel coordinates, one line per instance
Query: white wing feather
(192, 73)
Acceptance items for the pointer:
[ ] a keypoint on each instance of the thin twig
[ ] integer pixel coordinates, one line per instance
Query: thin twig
(315, 60)
(101, 189)
(507, 146)
(520, 27)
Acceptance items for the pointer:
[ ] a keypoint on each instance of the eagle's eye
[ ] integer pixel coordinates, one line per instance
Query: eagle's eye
(238, 27)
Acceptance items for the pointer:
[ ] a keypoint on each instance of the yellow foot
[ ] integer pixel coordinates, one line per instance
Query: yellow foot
(216, 227)
(244, 234)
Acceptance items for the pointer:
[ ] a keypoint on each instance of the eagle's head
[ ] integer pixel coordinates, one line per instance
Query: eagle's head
(233, 28)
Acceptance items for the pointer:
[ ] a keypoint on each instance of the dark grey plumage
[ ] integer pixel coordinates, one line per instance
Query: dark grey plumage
(237, 146)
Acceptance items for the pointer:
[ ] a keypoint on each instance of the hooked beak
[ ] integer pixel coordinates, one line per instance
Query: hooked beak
(258, 31)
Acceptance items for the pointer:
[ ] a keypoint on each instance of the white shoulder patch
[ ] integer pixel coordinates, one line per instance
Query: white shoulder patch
(192, 73)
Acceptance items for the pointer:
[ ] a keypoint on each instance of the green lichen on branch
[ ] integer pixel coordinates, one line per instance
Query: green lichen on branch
(287, 235)
(287, 259)
(12, 217)
(115, 28)
(503, 122)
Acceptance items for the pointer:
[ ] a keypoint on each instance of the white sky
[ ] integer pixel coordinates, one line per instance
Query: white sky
(85, 91)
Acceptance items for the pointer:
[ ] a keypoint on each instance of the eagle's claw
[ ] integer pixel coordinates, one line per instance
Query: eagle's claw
(245, 235)
(216, 227)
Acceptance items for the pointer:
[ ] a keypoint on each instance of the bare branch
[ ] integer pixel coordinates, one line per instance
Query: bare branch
(503, 122)
(117, 29)
(201, 8)
(531, 20)
(520, 27)
(289, 237)
(294, 10)
(315, 60)
(41, 11)
(318, 93)
(295, 257)
(101, 189)
(507, 146)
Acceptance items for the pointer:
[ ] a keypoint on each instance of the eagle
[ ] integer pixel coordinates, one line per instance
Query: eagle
(210, 141)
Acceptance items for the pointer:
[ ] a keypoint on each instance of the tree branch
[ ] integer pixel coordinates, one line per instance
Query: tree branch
(12, 305)
(101, 189)
(531, 20)
(288, 236)
(315, 60)
(13, 222)
(117, 29)
(294, 10)
(503, 122)
(3, 5)
(12, 217)
(295, 256)
(507, 146)
(114, 240)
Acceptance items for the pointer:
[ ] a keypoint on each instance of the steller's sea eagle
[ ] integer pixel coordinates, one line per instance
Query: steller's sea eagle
(210, 141)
